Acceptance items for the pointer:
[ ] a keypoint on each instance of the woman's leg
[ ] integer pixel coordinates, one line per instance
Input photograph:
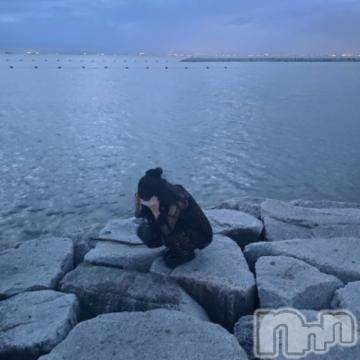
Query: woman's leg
(199, 239)
(180, 243)
(148, 236)
(181, 249)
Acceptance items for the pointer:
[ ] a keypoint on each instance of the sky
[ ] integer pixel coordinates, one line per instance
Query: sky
(281, 27)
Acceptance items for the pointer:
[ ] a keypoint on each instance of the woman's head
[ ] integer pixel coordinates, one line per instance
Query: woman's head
(152, 184)
(149, 184)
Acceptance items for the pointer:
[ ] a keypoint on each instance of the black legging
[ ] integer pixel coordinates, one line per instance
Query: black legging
(180, 241)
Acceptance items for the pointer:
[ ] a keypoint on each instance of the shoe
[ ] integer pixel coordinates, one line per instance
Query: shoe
(173, 260)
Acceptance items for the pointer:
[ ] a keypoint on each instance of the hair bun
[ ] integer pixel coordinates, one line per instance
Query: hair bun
(155, 173)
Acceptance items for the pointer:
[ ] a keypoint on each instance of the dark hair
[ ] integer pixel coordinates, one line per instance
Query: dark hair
(153, 184)
(154, 173)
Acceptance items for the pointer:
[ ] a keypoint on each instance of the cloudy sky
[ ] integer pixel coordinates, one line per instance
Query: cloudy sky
(191, 26)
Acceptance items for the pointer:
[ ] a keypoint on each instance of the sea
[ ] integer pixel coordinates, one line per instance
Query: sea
(78, 131)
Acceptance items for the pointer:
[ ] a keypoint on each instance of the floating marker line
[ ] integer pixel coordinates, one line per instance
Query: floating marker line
(92, 67)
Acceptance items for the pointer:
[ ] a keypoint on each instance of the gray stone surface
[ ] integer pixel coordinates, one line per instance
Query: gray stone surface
(219, 279)
(35, 265)
(288, 282)
(83, 241)
(121, 230)
(348, 298)
(247, 204)
(152, 335)
(239, 226)
(103, 289)
(284, 211)
(338, 353)
(123, 256)
(286, 221)
(337, 256)
(244, 332)
(276, 230)
(325, 204)
(32, 323)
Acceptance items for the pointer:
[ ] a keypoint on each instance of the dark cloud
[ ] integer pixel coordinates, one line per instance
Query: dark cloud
(240, 26)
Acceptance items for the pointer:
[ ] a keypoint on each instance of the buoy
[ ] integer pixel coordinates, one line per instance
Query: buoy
(83, 67)
(126, 67)
(186, 67)
(225, 67)
(105, 67)
(35, 67)
(208, 67)
(59, 67)
(11, 67)
(166, 67)
(147, 67)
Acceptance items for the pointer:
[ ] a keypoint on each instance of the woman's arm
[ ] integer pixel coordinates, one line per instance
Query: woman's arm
(167, 221)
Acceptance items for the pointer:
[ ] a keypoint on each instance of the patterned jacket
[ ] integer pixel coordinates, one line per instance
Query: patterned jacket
(183, 217)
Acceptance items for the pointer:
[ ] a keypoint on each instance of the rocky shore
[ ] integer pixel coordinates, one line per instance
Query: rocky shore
(109, 297)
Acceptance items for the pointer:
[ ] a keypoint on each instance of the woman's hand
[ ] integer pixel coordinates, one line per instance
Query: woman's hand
(154, 206)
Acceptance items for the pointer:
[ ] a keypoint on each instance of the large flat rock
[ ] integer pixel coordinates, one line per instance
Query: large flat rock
(288, 282)
(284, 211)
(122, 231)
(276, 230)
(35, 265)
(325, 204)
(32, 323)
(123, 256)
(285, 221)
(152, 335)
(103, 289)
(247, 204)
(337, 256)
(239, 226)
(244, 332)
(348, 298)
(219, 279)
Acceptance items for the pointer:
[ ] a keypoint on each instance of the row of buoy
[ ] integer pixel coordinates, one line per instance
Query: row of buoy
(93, 60)
(126, 67)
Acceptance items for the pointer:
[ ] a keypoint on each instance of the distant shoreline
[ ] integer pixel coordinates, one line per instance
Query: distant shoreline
(272, 59)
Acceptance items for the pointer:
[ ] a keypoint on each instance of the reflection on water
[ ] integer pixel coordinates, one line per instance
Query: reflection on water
(74, 141)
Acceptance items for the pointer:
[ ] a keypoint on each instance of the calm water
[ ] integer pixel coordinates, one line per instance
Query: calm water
(73, 141)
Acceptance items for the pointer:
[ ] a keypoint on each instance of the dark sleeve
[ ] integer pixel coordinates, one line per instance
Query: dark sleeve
(139, 211)
(144, 212)
(167, 221)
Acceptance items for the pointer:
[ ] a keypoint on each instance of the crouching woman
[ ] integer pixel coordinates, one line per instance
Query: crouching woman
(172, 218)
